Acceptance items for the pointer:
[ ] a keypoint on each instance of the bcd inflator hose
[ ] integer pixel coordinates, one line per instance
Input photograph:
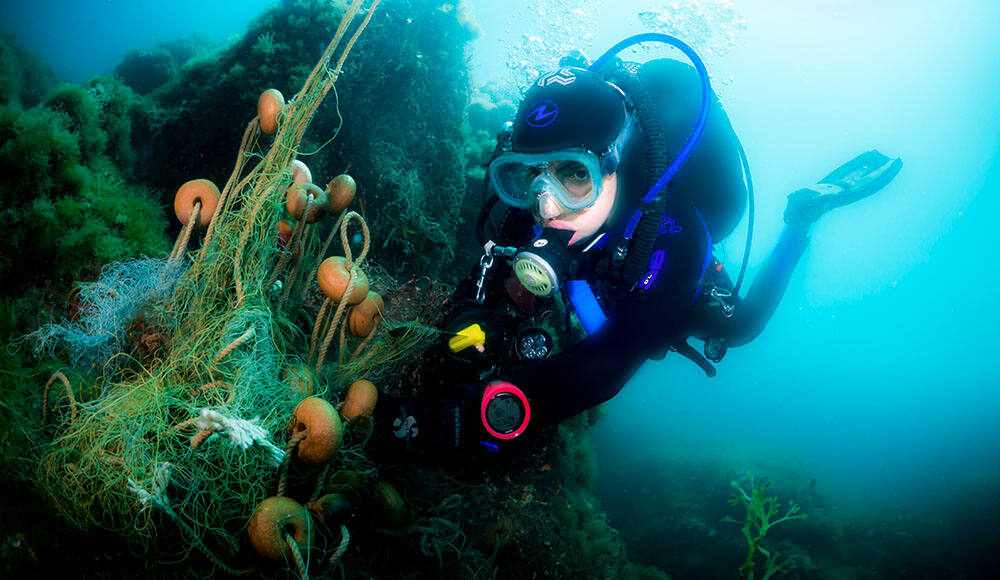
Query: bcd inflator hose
(643, 237)
(706, 91)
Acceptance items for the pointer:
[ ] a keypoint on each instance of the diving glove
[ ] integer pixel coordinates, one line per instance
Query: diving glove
(860, 177)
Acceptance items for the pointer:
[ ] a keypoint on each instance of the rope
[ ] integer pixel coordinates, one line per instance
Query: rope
(287, 254)
(240, 433)
(330, 48)
(69, 394)
(314, 82)
(350, 43)
(353, 267)
(297, 556)
(343, 339)
(347, 247)
(200, 437)
(183, 425)
(185, 236)
(247, 334)
(320, 483)
(249, 135)
(345, 539)
(219, 384)
(290, 280)
(286, 461)
(317, 326)
(341, 307)
(364, 342)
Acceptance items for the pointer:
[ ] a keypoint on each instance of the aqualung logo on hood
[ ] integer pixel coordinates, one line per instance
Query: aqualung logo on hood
(563, 77)
(542, 114)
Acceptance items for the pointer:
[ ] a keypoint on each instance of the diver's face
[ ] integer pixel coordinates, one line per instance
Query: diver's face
(583, 222)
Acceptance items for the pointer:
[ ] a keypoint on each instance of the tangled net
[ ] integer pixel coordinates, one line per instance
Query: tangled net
(190, 416)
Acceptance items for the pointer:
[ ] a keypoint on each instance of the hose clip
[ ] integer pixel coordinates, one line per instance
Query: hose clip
(719, 298)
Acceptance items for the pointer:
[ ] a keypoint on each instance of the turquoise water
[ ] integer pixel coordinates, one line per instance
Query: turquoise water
(875, 384)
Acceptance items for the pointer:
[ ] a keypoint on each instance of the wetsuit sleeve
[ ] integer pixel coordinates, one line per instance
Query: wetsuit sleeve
(751, 314)
(639, 326)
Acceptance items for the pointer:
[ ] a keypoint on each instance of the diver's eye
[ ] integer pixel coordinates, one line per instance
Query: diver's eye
(571, 171)
(575, 178)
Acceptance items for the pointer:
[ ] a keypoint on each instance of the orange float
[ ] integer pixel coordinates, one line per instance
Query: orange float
(366, 316)
(269, 106)
(340, 192)
(318, 423)
(194, 191)
(271, 520)
(333, 277)
(360, 400)
(298, 203)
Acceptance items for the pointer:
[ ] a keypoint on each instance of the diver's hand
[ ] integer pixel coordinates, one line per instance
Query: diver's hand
(857, 179)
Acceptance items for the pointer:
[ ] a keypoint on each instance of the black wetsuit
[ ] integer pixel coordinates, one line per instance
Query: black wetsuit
(645, 318)
(644, 323)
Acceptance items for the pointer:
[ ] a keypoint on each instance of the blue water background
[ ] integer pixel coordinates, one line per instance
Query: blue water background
(878, 371)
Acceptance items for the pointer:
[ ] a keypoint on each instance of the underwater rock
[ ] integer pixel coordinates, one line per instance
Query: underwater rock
(398, 117)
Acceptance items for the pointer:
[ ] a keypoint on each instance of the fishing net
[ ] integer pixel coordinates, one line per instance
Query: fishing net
(189, 419)
(106, 309)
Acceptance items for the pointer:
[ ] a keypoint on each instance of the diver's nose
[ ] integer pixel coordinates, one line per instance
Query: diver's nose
(548, 206)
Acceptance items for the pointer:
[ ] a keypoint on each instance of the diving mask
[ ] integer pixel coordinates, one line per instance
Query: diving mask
(572, 177)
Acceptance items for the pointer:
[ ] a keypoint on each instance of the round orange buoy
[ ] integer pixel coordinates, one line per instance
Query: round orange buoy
(333, 278)
(193, 191)
(340, 191)
(360, 400)
(271, 520)
(299, 204)
(319, 423)
(366, 315)
(269, 106)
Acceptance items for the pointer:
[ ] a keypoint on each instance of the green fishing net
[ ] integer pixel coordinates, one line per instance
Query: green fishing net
(187, 417)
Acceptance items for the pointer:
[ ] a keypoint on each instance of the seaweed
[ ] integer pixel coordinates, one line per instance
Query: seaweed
(762, 513)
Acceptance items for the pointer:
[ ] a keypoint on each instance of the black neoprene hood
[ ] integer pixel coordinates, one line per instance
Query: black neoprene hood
(568, 108)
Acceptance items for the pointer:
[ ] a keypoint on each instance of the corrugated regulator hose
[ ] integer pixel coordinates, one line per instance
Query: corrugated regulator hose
(641, 246)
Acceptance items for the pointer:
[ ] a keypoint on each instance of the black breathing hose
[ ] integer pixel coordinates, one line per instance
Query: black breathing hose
(750, 216)
(641, 245)
(485, 217)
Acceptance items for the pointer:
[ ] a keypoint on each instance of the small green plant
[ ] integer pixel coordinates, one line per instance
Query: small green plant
(761, 514)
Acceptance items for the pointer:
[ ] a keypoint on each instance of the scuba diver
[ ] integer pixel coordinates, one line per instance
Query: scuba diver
(605, 198)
